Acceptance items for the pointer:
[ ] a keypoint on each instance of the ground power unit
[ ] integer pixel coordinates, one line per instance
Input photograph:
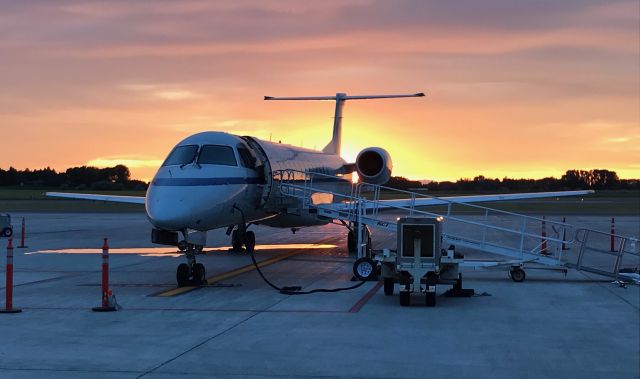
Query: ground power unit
(420, 262)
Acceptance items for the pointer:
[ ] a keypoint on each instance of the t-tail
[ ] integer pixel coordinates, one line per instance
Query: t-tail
(335, 145)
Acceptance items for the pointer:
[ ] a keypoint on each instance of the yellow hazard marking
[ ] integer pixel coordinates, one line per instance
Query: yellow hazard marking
(229, 274)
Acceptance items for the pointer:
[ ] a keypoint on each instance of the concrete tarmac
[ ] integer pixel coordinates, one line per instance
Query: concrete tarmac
(578, 326)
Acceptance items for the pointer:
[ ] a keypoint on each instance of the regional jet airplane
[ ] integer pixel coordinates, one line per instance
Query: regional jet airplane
(216, 180)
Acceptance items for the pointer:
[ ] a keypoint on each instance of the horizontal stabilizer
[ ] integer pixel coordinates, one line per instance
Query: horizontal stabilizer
(341, 96)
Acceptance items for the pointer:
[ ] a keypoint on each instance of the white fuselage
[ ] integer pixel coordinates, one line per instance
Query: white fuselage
(209, 175)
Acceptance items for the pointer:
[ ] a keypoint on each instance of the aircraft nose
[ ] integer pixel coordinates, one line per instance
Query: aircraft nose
(167, 213)
(171, 208)
(180, 207)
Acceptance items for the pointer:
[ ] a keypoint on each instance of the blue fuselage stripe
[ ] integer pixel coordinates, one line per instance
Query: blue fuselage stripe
(192, 182)
(204, 181)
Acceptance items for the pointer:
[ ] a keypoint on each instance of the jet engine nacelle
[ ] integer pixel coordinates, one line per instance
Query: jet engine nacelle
(374, 165)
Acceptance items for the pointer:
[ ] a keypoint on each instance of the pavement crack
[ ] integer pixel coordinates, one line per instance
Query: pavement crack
(207, 340)
(199, 344)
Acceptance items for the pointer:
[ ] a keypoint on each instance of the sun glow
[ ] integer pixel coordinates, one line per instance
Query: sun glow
(129, 162)
(503, 98)
(140, 168)
(173, 252)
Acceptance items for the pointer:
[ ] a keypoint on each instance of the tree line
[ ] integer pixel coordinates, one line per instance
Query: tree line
(84, 177)
(596, 179)
(119, 178)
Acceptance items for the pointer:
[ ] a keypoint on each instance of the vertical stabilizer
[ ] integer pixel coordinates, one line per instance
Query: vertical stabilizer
(336, 141)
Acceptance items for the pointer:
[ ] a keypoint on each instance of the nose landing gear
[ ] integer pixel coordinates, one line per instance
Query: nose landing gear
(191, 273)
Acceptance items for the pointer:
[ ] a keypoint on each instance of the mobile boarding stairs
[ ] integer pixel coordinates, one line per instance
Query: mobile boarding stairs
(521, 238)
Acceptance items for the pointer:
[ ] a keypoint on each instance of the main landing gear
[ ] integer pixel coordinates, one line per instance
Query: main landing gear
(191, 273)
(241, 236)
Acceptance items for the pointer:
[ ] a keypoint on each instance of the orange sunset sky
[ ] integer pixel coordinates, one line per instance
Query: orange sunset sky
(514, 88)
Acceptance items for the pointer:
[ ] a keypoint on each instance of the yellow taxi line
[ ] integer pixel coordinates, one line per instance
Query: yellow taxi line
(229, 274)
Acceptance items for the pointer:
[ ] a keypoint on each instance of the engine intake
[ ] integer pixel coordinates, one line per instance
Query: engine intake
(374, 165)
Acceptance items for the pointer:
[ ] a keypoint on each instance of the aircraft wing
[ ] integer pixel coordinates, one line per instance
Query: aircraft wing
(427, 201)
(109, 198)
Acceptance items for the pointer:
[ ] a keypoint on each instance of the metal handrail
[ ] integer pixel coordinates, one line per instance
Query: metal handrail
(359, 201)
(549, 238)
(450, 201)
(413, 195)
(586, 232)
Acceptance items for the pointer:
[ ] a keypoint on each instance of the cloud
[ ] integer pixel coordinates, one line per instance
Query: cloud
(139, 87)
(195, 28)
(618, 139)
(176, 95)
(494, 72)
(162, 91)
(240, 127)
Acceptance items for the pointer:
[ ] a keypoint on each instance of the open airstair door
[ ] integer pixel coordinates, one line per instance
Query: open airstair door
(264, 168)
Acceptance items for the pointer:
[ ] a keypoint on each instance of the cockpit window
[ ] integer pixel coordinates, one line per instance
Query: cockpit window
(181, 155)
(246, 158)
(217, 154)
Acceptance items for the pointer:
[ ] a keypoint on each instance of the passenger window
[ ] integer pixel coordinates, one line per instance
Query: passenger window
(246, 158)
(181, 155)
(217, 154)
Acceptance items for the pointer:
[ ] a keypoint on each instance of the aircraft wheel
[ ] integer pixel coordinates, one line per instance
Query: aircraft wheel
(405, 298)
(430, 299)
(250, 243)
(236, 243)
(7, 232)
(182, 274)
(389, 283)
(199, 274)
(517, 274)
(364, 268)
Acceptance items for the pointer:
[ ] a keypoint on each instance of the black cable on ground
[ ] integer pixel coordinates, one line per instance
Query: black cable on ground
(296, 290)
(292, 290)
